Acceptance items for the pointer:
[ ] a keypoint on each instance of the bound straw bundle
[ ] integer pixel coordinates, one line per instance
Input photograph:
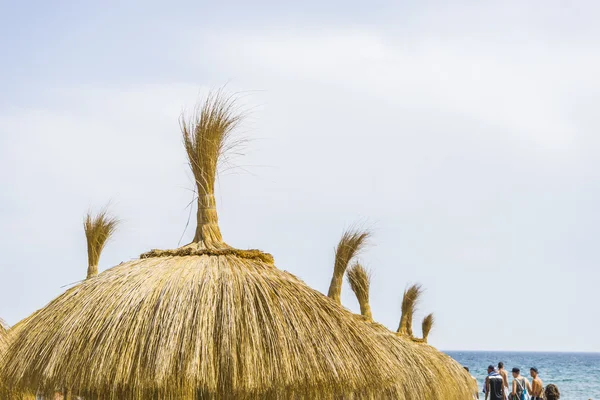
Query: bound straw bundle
(426, 326)
(409, 304)
(360, 281)
(205, 321)
(426, 374)
(351, 243)
(98, 231)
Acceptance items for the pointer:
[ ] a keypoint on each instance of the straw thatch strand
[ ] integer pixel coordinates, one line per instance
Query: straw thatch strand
(98, 230)
(409, 302)
(351, 243)
(360, 280)
(426, 326)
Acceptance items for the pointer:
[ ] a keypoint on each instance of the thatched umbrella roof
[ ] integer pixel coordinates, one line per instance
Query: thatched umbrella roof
(202, 321)
(425, 372)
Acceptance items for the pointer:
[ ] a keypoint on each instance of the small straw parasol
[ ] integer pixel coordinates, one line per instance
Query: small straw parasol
(425, 373)
(204, 321)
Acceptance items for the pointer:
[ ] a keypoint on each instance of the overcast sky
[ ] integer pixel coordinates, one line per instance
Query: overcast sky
(465, 134)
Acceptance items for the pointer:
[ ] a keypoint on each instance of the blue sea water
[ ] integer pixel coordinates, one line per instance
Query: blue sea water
(577, 375)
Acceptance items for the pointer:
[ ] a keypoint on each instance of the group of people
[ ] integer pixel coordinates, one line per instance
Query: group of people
(496, 385)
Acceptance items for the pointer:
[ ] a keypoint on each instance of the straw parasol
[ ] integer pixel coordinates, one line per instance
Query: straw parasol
(425, 373)
(204, 321)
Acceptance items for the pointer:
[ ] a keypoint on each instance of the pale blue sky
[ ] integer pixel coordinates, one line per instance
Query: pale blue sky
(464, 133)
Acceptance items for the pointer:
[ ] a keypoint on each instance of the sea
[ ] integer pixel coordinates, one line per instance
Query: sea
(577, 375)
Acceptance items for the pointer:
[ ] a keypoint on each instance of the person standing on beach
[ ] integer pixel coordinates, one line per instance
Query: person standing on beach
(494, 385)
(520, 385)
(537, 386)
(504, 376)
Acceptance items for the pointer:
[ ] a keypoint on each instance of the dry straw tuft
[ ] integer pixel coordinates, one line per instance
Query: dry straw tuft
(207, 139)
(98, 231)
(351, 243)
(360, 280)
(196, 324)
(426, 326)
(409, 304)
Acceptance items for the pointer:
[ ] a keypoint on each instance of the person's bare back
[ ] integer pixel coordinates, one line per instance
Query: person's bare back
(537, 386)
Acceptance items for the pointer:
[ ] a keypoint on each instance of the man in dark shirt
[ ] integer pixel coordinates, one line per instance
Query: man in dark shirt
(494, 385)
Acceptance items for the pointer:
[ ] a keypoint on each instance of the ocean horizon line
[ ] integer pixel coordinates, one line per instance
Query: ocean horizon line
(522, 351)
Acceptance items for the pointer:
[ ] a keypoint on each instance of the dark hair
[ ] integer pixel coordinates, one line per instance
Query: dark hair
(500, 364)
(551, 392)
(516, 370)
(534, 369)
(491, 367)
(467, 369)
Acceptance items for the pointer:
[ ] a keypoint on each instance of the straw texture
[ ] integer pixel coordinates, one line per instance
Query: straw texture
(207, 139)
(426, 326)
(3, 348)
(351, 243)
(409, 303)
(223, 326)
(426, 374)
(5, 393)
(98, 231)
(3, 336)
(202, 322)
(360, 281)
